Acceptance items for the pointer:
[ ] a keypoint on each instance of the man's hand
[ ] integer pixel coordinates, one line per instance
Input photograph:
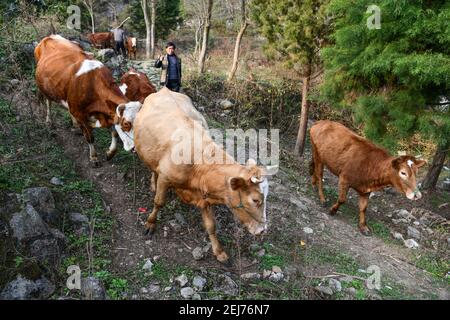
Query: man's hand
(161, 58)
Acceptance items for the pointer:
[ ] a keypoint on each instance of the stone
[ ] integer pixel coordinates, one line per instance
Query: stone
(56, 181)
(446, 185)
(448, 241)
(266, 273)
(46, 251)
(187, 292)
(196, 296)
(41, 198)
(308, 230)
(413, 233)
(148, 265)
(325, 290)
(153, 289)
(225, 104)
(276, 269)
(397, 236)
(27, 224)
(250, 275)
(351, 291)
(411, 244)
(335, 285)
(197, 253)
(199, 282)
(106, 54)
(25, 289)
(92, 289)
(276, 277)
(14, 82)
(80, 223)
(404, 214)
(180, 218)
(60, 237)
(227, 286)
(261, 253)
(183, 280)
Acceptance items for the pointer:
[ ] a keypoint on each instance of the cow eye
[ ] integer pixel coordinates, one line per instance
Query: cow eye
(403, 173)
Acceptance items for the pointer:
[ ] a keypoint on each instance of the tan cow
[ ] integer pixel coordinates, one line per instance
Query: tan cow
(360, 165)
(131, 45)
(201, 173)
(86, 88)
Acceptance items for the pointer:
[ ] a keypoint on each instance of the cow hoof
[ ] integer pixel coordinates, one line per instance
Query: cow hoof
(365, 231)
(332, 212)
(223, 258)
(110, 155)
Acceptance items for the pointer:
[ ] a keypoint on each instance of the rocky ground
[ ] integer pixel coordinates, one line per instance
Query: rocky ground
(57, 211)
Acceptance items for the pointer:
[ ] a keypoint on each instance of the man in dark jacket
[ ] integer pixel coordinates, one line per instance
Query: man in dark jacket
(171, 68)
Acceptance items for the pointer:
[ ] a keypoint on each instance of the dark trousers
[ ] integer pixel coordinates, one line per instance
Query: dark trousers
(120, 48)
(173, 85)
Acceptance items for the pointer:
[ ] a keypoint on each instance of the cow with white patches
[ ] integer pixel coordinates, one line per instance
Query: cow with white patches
(131, 45)
(360, 165)
(67, 75)
(217, 179)
(136, 86)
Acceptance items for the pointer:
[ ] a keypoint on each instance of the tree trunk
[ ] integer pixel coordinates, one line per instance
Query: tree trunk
(197, 38)
(152, 28)
(435, 169)
(301, 136)
(90, 8)
(237, 46)
(147, 28)
(206, 27)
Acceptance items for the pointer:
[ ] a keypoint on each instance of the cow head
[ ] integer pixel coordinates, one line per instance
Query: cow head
(247, 197)
(404, 173)
(123, 120)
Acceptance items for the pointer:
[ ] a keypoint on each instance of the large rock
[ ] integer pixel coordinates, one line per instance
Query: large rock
(92, 289)
(27, 224)
(413, 233)
(42, 200)
(46, 251)
(106, 54)
(24, 289)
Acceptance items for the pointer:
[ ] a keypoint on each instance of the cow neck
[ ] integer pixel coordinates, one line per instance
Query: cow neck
(383, 180)
(212, 180)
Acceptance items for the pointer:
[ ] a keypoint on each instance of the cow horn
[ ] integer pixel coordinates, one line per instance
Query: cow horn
(256, 180)
(120, 109)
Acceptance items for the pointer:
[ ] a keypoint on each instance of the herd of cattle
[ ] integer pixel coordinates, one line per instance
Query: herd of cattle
(146, 121)
(103, 40)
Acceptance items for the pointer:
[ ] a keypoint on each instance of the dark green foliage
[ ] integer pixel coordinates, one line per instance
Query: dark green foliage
(168, 17)
(394, 78)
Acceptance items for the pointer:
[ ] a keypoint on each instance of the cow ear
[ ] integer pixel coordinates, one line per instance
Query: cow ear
(396, 163)
(237, 183)
(420, 163)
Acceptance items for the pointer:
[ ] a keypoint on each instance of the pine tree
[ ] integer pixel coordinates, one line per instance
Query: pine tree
(395, 79)
(295, 31)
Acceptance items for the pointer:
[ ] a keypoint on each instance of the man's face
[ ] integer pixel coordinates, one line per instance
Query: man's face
(170, 50)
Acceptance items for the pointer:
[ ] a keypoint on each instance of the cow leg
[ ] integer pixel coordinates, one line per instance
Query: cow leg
(343, 189)
(153, 180)
(363, 201)
(160, 198)
(210, 226)
(87, 132)
(318, 171)
(113, 147)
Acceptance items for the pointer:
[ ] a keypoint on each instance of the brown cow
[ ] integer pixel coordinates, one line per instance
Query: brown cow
(131, 45)
(136, 86)
(164, 126)
(360, 165)
(101, 40)
(67, 75)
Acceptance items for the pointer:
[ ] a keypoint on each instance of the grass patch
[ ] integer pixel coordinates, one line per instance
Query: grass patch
(435, 265)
